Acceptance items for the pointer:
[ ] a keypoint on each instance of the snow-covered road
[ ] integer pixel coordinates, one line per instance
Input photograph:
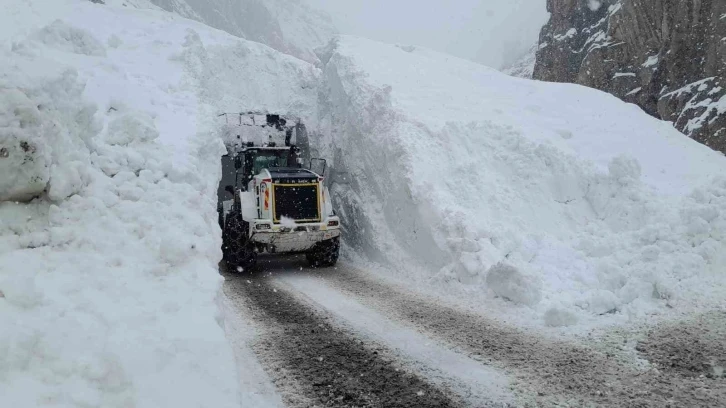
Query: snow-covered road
(342, 337)
(314, 361)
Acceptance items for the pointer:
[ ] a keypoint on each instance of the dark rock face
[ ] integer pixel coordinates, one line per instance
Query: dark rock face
(667, 56)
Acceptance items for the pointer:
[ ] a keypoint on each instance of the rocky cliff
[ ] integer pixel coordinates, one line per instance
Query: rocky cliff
(667, 56)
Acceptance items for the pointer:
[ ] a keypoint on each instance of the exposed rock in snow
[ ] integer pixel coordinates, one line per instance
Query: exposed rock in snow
(672, 51)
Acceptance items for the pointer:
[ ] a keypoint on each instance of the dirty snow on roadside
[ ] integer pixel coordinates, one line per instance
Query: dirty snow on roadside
(109, 244)
(546, 204)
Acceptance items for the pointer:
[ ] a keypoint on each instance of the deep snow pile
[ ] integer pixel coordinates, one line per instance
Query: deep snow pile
(554, 197)
(109, 162)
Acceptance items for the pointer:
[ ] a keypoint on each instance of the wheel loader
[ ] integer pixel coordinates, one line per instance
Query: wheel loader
(272, 199)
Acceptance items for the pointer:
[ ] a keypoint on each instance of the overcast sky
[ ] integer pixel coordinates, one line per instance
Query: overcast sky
(492, 32)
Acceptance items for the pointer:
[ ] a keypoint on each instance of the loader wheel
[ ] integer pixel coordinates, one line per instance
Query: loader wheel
(325, 253)
(239, 252)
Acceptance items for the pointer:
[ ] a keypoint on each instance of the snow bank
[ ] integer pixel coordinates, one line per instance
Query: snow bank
(109, 165)
(552, 196)
(108, 236)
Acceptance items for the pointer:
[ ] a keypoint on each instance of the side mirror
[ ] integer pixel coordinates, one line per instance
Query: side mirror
(229, 189)
(318, 166)
(237, 162)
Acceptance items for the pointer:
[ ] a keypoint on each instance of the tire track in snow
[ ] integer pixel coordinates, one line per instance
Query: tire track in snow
(547, 372)
(315, 363)
(478, 384)
(259, 391)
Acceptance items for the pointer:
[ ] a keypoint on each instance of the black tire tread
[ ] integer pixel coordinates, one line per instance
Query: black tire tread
(238, 250)
(324, 254)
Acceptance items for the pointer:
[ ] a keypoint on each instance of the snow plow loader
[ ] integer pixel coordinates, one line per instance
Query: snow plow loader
(271, 198)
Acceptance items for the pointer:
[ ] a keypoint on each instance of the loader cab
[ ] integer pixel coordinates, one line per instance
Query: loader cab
(239, 169)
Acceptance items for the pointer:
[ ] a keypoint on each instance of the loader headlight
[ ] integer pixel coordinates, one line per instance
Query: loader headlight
(262, 226)
(333, 223)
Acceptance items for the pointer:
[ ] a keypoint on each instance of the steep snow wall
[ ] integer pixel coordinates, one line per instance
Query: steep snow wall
(555, 197)
(108, 176)
(107, 278)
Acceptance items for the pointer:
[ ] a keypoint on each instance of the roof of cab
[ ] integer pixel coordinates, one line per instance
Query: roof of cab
(292, 172)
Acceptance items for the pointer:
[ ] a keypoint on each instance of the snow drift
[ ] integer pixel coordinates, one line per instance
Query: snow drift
(109, 164)
(555, 197)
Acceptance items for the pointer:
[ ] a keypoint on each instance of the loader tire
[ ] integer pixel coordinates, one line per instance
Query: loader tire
(324, 254)
(239, 252)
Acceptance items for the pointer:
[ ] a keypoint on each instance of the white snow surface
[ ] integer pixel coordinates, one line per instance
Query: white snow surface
(109, 161)
(563, 202)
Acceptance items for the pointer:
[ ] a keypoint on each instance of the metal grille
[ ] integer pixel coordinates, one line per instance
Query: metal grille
(296, 201)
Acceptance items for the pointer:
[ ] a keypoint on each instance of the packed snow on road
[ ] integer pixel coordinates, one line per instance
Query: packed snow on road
(550, 207)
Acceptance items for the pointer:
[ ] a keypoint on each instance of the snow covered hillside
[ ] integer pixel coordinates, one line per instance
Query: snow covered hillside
(109, 163)
(523, 67)
(289, 26)
(557, 198)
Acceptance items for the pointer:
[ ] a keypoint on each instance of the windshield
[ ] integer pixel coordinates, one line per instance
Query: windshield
(265, 159)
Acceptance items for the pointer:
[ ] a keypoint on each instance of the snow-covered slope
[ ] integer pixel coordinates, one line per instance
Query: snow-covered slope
(109, 163)
(553, 196)
(289, 26)
(523, 67)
